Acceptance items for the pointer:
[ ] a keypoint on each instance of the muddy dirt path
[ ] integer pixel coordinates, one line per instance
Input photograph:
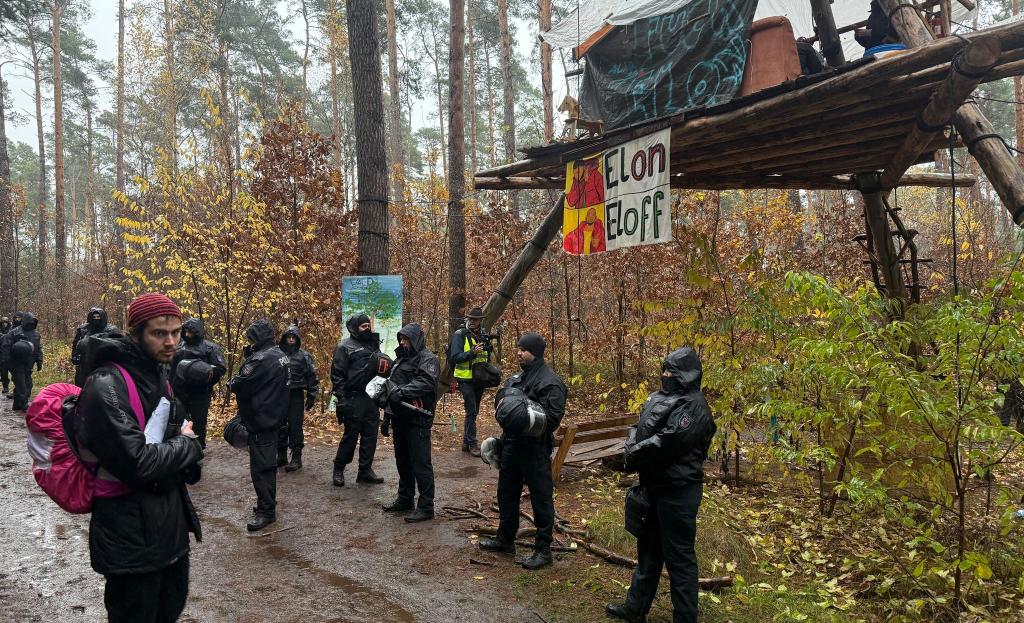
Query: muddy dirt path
(341, 560)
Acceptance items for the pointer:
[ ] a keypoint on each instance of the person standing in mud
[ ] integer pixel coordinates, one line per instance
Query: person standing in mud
(196, 390)
(95, 322)
(261, 387)
(5, 354)
(141, 512)
(668, 446)
(23, 348)
(469, 346)
(410, 405)
(355, 363)
(527, 459)
(5, 328)
(302, 388)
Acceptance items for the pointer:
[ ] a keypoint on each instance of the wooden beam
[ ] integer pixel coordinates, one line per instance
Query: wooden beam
(518, 183)
(825, 31)
(880, 240)
(1001, 168)
(937, 180)
(965, 74)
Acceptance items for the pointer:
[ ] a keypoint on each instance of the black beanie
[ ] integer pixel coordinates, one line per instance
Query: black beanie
(533, 343)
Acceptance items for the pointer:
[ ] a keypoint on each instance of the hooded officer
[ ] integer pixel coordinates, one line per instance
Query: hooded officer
(415, 383)
(261, 387)
(195, 390)
(95, 322)
(23, 348)
(355, 363)
(668, 446)
(5, 351)
(527, 458)
(468, 347)
(302, 388)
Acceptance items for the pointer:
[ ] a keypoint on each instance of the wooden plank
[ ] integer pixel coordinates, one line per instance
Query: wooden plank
(604, 433)
(622, 420)
(563, 451)
(974, 62)
(596, 455)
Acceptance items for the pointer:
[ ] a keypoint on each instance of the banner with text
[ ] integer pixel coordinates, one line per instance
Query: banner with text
(619, 198)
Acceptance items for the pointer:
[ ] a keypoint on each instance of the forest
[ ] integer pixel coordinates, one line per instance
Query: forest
(243, 156)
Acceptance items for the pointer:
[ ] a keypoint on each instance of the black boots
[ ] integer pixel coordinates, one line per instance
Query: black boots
(339, 476)
(369, 477)
(541, 558)
(296, 463)
(419, 515)
(620, 611)
(398, 506)
(497, 545)
(282, 457)
(259, 522)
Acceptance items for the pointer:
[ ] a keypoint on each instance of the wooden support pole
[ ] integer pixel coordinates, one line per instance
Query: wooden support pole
(532, 252)
(981, 139)
(825, 31)
(966, 73)
(877, 219)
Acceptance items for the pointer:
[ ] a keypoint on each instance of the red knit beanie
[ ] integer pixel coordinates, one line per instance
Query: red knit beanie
(151, 305)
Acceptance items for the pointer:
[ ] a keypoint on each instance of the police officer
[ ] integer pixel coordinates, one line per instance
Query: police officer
(23, 348)
(5, 345)
(302, 388)
(261, 387)
(355, 363)
(527, 459)
(415, 385)
(95, 322)
(668, 446)
(197, 394)
(468, 347)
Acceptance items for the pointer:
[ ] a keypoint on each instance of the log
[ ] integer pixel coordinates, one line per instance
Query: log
(880, 240)
(1001, 168)
(973, 63)
(509, 183)
(825, 31)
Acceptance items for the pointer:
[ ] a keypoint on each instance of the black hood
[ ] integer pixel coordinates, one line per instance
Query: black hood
(194, 325)
(28, 321)
(260, 334)
(101, 323)
(16, 319)
(416, 337)
(5, 324)
(352, 324)
(684, 364)
(292, 330)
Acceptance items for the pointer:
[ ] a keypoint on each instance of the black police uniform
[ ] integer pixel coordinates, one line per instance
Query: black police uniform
(197, 399)
(302, 388)
(354, 365)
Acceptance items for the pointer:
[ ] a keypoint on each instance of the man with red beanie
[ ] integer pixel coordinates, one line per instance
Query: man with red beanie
(141, 514)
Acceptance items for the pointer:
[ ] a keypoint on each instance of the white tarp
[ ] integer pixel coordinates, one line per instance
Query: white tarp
(594, 14)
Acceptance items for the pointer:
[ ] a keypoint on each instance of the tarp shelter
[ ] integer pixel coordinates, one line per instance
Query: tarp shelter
(594, 16)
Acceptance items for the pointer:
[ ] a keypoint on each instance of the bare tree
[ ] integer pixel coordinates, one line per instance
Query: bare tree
(395, 107)
(60, 235)
(456, 167)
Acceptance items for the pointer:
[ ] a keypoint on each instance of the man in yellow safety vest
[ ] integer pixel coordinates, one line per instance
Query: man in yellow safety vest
(469, 346)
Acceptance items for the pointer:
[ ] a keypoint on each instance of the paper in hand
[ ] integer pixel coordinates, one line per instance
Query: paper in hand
(156, 426)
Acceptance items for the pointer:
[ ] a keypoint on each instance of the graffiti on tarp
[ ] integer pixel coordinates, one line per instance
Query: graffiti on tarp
(668, 63)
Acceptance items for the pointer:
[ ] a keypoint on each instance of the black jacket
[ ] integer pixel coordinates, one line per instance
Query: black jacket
(146, 529)
(457, 352)
(354, 363)
(25, 331)
(415, 378)
(261, 384)
(669, 445)
(540, 384)
(202, 349)
(301, 369)
(89, 328)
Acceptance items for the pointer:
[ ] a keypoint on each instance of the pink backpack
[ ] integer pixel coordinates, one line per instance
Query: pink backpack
(66, 471)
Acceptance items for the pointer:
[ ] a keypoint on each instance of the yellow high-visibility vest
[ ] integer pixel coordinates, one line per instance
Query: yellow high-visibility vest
(464, 370)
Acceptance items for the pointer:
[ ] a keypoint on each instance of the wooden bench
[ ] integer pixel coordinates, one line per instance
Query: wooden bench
(581, 442)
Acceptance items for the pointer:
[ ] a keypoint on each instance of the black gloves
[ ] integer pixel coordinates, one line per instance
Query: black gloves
(385, 427)
(310, 401)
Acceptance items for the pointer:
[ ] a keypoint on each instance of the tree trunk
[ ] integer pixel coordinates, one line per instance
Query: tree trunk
(171, 112)
(436, 58)
(119, 104)
(305, 59)
(544, 9)
(1018, 96)
(42, 191)
(60, 239)
(395, 108)
(7, 269)
(509, 125)
(471, 85)
(90, 188)
(225, 109)
(457, 168)
(372, 184)
(490, 107)
(332, 55)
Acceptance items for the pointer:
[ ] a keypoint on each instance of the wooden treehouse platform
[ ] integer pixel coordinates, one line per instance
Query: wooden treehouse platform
(818, 131)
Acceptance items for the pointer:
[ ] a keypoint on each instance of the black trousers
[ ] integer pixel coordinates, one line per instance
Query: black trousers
(668, 538)
(412, 458)
(80, 375)
(5, 375)
(472, 394)
(526, 462)
(263, 471)
(361, 419)
(21, 373)
(290, 435)
(198, 407)
(157, 597)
